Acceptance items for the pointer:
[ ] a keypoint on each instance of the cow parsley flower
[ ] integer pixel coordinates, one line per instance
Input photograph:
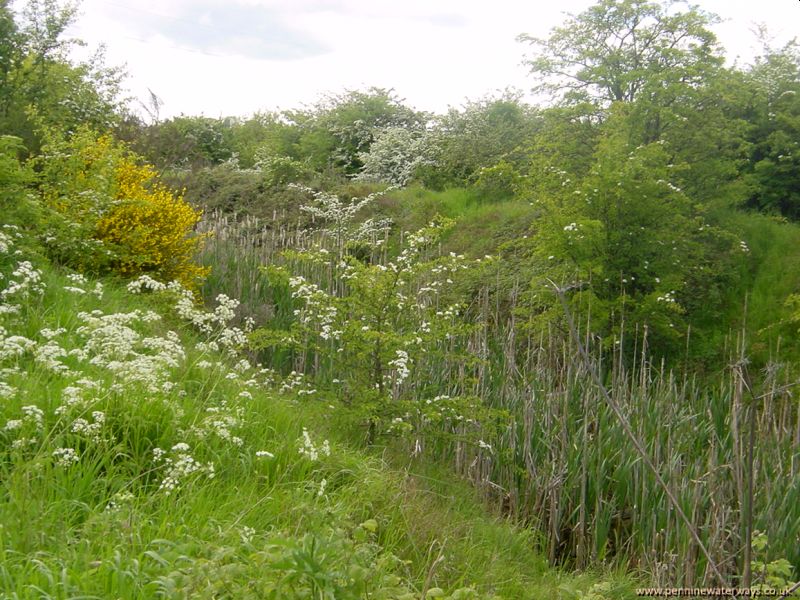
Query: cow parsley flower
(310, 451)
(65, 457)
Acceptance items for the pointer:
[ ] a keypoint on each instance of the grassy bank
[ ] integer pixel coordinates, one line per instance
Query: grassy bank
(140, 458)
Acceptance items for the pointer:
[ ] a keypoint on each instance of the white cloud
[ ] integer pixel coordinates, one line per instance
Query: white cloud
(236, 57)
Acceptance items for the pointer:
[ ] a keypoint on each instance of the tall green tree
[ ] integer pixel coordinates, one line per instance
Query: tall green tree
(664, 62)
(774, 135)
(619, 50)
(631, 243)
(41, 86)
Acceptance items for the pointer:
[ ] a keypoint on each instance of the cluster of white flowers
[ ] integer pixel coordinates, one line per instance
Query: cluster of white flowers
(145, 282)
(80, 282)
(317, 309)
(400, 364)
(670, 185)
(112, 342)
(49, 334)
(26, 429)
(309, 450)
(268, 377)
(27, 282)
(669, 297)
(232, 339)
(48, 355)
(367, 231)
(6, 242)
(743, 246)
(215, 324)
(329, 207)
(225, 310)
(7, 391)
(93, 430)
(450, 264)
(246, 534)
(14, 346)
(179, 465)
(293, 381)
(78, 279)
(35, 414)
(204, 320)
(73, 397)
(220, 421)
(243, 366)
(65, 457)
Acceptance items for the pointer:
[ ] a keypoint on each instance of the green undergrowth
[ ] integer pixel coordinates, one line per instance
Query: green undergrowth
(769, 277)
(483, 223)
(139, 463)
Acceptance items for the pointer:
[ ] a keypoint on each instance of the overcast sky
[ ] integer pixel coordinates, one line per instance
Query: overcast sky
(234, 57)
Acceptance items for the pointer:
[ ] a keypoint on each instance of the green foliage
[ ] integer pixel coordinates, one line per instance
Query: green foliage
(499, 182)
(262, 131)
(16, 201)
(41, 87)
(775, 130)
(187, 142)
(621, 50)
(232, 190)
(478, 136)
(279, 170)
(641, 250)
(339, 129)
(667, 66)
(773, 575)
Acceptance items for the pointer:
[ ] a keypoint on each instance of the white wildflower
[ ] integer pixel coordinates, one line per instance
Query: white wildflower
(65, 457)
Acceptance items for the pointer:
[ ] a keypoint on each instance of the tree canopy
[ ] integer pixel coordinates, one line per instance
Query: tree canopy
(618, 50)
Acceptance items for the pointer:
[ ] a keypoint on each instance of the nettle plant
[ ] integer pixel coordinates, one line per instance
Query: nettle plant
(773, 575)
(386, 339)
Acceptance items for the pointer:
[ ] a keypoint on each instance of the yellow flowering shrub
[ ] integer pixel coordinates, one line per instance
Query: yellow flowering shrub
(151, 227)
(114, 214)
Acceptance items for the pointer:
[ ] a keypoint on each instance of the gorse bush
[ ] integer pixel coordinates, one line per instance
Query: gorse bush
(109, 213)
(150, 228)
